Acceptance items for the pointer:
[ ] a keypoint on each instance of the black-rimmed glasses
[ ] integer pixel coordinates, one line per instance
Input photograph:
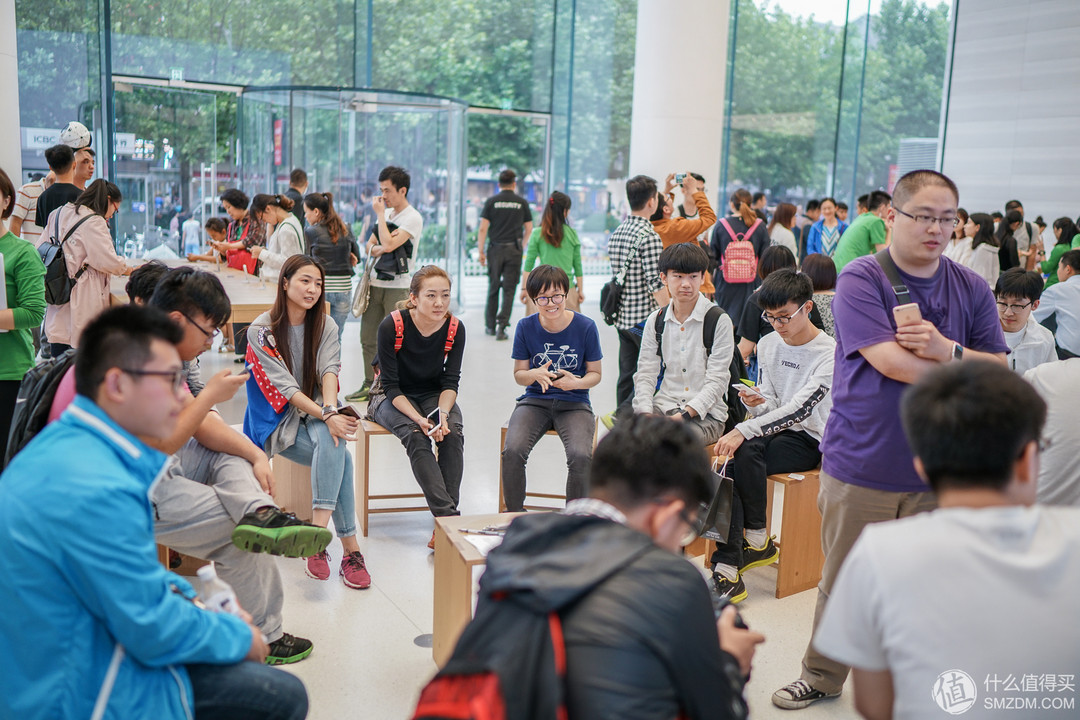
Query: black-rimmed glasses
(928, 221)
(781, 319)
(543, 300)
(209, 335)
(1015, 308)
(176, 377)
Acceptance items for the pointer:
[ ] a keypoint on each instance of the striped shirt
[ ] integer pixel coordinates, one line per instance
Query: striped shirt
(26, 208)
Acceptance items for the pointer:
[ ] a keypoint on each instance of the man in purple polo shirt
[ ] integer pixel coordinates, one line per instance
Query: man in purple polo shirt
(868, 473)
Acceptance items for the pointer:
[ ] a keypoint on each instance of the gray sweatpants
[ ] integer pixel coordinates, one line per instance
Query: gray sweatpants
(197, 504)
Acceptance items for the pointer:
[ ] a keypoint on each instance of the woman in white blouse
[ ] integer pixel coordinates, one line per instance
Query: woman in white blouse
(287, 239)
(780, 227)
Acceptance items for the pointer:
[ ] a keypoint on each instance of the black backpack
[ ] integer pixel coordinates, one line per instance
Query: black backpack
(736, 411)
(34, 402)
(58, 283)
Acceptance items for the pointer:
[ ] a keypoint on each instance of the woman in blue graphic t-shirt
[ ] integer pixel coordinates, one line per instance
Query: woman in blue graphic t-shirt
(557, 358)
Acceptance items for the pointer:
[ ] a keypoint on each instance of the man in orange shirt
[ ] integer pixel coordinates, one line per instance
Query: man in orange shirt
(674, 230)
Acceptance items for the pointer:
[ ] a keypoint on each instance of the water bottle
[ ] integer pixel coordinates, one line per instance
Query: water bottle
(216, 593)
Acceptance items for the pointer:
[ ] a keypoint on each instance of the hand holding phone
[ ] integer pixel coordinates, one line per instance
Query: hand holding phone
(435, 418)
(908, 314)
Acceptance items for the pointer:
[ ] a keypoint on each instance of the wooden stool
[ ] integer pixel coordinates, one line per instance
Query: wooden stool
(292, 486)
(799, 566)
(362, 469)
(528, 493)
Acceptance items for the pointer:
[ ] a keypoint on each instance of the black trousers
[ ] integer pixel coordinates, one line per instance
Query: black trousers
(9, 392)
(784, 452)
(629, 347)
(504, 270)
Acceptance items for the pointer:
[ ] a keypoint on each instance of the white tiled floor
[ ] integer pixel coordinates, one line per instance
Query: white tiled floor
(372, 648)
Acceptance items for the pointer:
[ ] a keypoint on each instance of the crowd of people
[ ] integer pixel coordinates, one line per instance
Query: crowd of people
(904, 355)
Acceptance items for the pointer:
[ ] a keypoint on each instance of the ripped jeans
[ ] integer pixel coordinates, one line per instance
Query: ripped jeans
(439, 478)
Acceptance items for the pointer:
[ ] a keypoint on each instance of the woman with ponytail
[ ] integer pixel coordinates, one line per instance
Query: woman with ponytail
(287, 239)
(744, 223)
(331, 241)
(555, 243)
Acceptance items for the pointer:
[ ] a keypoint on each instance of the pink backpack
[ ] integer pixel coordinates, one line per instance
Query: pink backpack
(739, 264)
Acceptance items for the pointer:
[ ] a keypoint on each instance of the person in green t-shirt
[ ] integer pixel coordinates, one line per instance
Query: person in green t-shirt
(22, 276)
(867, 234)
(1064, 229)
(555, 243)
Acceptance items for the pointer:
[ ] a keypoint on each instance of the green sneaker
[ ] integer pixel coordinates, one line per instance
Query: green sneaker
(360, 395)
(272, 531)
(288, 649)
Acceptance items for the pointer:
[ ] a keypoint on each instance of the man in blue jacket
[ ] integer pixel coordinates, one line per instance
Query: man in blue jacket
(96, 627)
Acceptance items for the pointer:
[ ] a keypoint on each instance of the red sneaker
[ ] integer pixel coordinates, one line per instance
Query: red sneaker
(318, 566)
(354, 572)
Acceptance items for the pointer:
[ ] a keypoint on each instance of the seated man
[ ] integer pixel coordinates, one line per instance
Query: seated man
(214, 500)
(1030, 344)
(790, 405)
(689, 343)
(1061, 302)
(96, 620)
(557, 358)
(641, 636)
(142, 281)
(1058, 383)
(936, 611)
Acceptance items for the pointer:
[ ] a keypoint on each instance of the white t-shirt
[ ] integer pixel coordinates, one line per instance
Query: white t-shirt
(411, 221)
(1058, 383)
(1031, 346)
(984, 260)
(780, 235)
(190, 230)
(991, 593)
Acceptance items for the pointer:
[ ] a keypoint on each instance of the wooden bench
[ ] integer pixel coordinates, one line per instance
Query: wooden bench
(799, 566)
(362, 471)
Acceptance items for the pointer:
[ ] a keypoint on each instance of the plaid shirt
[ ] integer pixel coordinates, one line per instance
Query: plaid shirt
(643, 277)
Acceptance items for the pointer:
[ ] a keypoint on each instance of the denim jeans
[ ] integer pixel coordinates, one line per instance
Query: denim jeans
(331, 473)
(440, 479)
(575, 424)
(340, 307)
(246, 691)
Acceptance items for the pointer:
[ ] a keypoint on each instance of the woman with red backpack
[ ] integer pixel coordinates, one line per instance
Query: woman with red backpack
(738, 240)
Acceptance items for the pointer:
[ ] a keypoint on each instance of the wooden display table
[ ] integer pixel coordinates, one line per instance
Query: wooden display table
(455, 558)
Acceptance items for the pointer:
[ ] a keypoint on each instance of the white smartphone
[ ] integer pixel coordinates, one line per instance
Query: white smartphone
(435, 416)
(748, 388)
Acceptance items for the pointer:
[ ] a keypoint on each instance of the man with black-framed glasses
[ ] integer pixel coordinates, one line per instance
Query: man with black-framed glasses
(1017, 293)
(867, 474)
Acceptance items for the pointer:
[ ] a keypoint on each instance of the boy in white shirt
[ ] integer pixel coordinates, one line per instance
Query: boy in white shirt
(695, 379)
(1017, 293)
(789, 405)
(936, 612)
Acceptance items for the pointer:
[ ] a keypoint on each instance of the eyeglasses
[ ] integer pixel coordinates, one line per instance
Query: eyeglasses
(1002, 307)
(176, 377)
(780, 320)
(928, 221)
(209, 335)
(556, 299)
(696, 525)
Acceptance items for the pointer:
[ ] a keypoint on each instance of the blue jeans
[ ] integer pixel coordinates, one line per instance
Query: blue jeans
(331, 473)
(246, 691)
(340, 307)
(576, 426)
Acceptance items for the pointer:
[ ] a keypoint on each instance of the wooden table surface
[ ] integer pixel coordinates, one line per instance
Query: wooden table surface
(250, 296)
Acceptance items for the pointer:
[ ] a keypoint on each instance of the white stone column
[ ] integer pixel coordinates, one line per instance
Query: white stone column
(680, 72)
(10, 134)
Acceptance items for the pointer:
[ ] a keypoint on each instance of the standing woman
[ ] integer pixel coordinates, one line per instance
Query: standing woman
(22, 276)
(780, 232)
(91, 259)
(555, 243)
(985, 256)
(242, 234)
(292, 406)
(958, 247)
(1064, 231)
(825, 233)
(419, 352)
(288, 237)
(331, 242)
(743, 221)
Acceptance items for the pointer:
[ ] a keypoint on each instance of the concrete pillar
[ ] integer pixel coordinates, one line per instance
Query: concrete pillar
(680, 72)
(10, 134)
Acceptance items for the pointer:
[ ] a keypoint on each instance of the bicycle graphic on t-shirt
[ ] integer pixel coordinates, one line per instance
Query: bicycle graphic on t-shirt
(561, 358)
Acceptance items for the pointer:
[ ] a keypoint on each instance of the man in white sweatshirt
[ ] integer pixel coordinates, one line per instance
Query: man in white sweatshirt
(789, 407)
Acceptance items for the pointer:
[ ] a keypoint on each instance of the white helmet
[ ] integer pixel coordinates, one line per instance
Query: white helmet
(76, 136)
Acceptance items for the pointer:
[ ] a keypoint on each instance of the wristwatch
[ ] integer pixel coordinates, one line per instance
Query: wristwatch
(328, 410)
(686, 415)
(957, 351)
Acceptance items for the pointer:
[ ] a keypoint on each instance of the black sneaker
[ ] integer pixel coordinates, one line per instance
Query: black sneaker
(500, 334)
(733, 592)
(489, 331)
(272, 531)
(288, 649)
(758, 557)
(798, 695)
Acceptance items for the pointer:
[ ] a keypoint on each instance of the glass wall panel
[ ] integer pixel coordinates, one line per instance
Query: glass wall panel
(344, 138)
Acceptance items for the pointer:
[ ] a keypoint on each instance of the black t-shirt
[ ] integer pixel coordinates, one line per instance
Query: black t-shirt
(56, 195)
(753, 327)
(418, 369)
(507, 212)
